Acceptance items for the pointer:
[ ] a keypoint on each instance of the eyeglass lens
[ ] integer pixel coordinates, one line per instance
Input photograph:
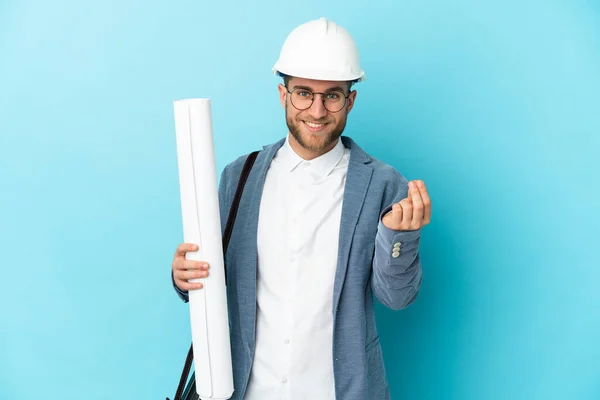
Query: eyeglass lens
(333, 100)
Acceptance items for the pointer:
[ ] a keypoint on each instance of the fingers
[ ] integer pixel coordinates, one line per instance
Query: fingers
(187, 286)
(417, 204)
(412, 212)
(185, 270)
(426, 202)
(184, 248)
(407, 212)
(183, 264)
(396, 217)
(184, 275)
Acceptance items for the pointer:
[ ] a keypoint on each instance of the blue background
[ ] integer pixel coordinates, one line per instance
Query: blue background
(494, 104)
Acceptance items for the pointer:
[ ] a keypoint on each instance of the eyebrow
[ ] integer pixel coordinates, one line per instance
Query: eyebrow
(339, 88)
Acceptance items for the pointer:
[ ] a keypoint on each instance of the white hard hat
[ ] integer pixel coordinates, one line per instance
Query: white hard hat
(321, 50)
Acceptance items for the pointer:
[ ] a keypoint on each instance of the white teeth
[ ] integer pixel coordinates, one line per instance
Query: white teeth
(313, 125)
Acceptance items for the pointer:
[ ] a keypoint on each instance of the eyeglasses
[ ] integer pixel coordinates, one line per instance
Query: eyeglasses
(333, 100)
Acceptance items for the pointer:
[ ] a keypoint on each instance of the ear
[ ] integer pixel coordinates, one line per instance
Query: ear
(282, 95)
(351, 100)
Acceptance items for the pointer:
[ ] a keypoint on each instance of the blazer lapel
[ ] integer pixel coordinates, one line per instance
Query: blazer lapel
(357, 184)
(249, 262)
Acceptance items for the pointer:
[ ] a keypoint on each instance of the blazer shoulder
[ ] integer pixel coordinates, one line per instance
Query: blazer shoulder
(382, 171)
(387, 173)
(236, 165)
(387, 179)
(233, 169)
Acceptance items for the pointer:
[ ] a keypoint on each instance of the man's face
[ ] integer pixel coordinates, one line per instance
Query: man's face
(315, 129)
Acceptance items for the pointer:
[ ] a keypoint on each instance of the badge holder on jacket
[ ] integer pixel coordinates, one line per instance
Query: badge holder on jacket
(190, 390)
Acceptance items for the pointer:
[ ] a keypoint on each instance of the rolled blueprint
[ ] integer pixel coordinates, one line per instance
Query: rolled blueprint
(202, 226)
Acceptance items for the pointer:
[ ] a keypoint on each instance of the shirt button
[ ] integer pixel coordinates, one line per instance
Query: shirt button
(284, 380)
(397, 245)
(395, 254)
(286, 341)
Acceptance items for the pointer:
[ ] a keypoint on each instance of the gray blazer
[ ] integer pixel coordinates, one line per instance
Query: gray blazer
(366, 266)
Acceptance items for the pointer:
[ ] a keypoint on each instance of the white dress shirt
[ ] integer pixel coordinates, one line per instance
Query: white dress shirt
(298, 231)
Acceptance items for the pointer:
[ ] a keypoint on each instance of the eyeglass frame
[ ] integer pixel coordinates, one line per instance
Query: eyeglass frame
(346, 96)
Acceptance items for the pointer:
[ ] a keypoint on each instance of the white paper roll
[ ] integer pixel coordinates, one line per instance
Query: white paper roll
(201, 225)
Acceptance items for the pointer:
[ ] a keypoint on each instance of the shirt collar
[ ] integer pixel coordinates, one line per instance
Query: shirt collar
(322, 165)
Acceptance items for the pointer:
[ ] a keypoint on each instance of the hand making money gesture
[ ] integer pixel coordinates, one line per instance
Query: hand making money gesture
(411, 213)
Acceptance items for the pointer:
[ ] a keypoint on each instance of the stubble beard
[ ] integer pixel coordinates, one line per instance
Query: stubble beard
(316, 146)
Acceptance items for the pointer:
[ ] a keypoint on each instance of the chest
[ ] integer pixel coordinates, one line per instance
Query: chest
(299, 227)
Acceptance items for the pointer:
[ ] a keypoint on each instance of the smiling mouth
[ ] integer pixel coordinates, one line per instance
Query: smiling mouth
(313, 126)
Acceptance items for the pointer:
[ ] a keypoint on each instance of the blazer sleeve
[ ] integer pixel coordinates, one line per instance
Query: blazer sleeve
(224, 204)
(397, 271)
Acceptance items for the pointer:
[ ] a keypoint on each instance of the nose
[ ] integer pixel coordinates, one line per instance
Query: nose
(317, 110)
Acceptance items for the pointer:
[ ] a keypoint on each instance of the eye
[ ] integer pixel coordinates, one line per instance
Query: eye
(333, 96)
(303, 93)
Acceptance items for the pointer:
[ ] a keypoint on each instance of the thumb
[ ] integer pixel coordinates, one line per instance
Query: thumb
(394, 217)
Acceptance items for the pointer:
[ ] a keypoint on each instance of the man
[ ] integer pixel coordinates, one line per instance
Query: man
(321, 228)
